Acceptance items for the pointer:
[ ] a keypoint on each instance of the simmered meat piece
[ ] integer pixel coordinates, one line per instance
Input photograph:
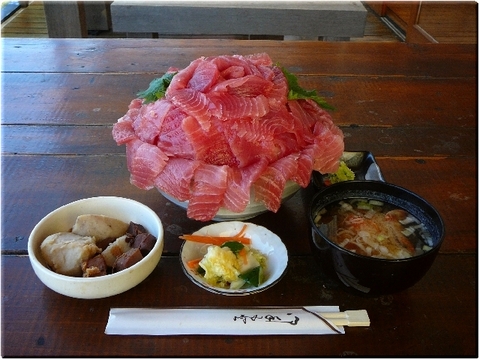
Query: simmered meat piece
(135, 229)
(127, 259)
(95, 266)
(144, 242)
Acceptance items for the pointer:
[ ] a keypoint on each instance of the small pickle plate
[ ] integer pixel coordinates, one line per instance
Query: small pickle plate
(262, 239)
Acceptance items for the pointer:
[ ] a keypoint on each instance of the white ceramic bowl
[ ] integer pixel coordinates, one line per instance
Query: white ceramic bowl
(63, 218)
(262, 239)
(254, 208)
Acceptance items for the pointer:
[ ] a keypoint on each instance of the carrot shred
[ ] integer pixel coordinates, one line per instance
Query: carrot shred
(242, 231)
(214, 240)
(193, 264)
(219, 240)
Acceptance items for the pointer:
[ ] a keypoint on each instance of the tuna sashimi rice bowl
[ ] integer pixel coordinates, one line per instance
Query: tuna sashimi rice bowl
(226, 128)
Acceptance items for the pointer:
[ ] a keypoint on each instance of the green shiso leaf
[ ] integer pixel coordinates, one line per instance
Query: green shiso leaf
(157, 88)
(295, 91)
(252, 276)
(235, 246)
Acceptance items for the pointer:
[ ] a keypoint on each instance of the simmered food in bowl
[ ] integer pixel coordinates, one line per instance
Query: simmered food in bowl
(97, 245)
(71, 282)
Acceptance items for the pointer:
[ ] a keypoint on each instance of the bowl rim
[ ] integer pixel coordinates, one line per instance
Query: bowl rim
(340, 185)
(32, 254)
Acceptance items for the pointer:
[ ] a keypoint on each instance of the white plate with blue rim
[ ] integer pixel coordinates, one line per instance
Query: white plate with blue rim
(262, 239)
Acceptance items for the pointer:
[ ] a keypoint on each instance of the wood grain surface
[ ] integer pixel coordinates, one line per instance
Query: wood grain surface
(413, 106)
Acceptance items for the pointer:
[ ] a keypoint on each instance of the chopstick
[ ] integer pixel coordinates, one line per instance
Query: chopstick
(347, 318)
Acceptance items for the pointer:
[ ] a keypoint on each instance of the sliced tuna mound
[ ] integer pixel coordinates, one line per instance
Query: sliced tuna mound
(225, 133)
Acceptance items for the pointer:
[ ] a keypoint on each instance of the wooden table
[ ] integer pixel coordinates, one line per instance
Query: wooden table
(413, 106)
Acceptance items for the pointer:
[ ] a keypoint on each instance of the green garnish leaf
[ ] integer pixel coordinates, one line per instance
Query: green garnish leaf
(252, 276)
(295, 91)
(235, 246)
(343, 173)
(201, 271)
(157, 88)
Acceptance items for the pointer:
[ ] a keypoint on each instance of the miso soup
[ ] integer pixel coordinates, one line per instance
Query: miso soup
(373, 228)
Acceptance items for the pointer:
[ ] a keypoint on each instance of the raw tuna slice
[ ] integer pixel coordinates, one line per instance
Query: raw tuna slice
(269, 187)
(267, 71)
(209, 146)
(329, 160)
(251, 140)
(247, 86)
(181, 79)
(238, 193)
(172, 138)
(278, 94)
(277, 122)
(227, 107)
(209, 186)
(260, 59)
(135, 104)
(175, 143)
(223, 62)
(313, 114)
(176, 177)
(131, 149)
(236, 198)
(147, 161)
(286, 144)
(287, 165)
(302, 124)
(328, 138)
(194, 103)
(123, 132)
(304, 168)
(150, 119)
(233, 72)
(205, 76)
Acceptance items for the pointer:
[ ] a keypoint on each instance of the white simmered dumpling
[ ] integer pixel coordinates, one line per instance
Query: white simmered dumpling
(64, 252)
(99, 226)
